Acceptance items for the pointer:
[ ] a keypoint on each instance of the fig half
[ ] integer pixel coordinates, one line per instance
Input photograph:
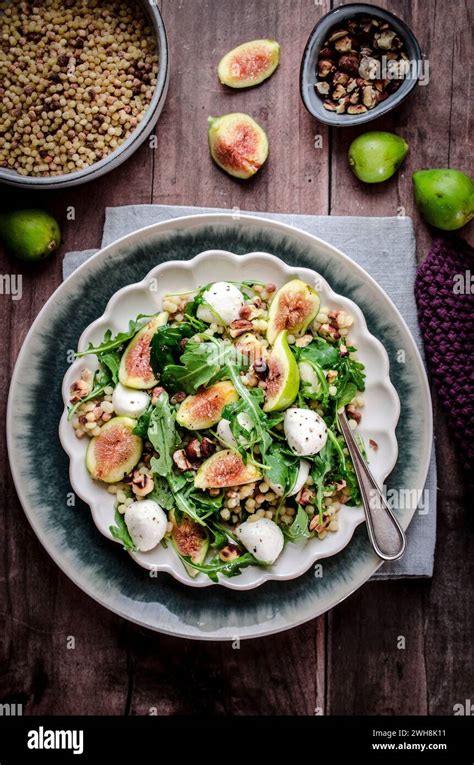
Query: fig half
(294, 307)
(283, 379)
(115, 451)
(225, 468)
(189, 539)
(237, 144)
(135, 368)
(204, 409)
(249, 64)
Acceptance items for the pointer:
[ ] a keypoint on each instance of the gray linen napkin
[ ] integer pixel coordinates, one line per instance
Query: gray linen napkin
(386, 249)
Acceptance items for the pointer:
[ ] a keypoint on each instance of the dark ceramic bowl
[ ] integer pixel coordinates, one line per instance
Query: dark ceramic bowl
(337, 17)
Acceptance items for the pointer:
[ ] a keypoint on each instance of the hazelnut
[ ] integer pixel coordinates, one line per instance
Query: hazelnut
(330, 106)
(356, 109)
(178, 397)
(193, 449)
(338, 92)
(343, 104)
(369, 68)
(229, 552)
(366, 26)
(239, 327)
(325, 67)
(305, 496)
(337, 35)
(344, 45)
(322, 88)
(142, 484)
(384, 39)
(326, 53)
(351, 85)
(180, 460)
(349, 63)
(369, 96)
(197, 450)
(78, 390)
(355, 96)
(340, 78)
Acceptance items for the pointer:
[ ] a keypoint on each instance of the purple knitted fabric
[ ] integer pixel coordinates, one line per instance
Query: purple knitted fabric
(445, 297)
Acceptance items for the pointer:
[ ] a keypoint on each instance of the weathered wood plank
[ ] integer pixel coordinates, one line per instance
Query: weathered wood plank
(385, 679)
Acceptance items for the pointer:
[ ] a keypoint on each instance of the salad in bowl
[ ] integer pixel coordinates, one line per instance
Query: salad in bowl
(213, 424)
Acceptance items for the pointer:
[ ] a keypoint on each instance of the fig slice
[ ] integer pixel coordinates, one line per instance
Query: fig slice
(204, 409)
(189, 539)
(115, 451)
(249, 64)
(283, 379)
(294, 307)
(135, 368)
(223, 469)
(237, 144)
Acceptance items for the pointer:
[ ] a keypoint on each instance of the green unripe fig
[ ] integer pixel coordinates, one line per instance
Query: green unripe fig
(445, 198)
(30, 235)
(375, 156)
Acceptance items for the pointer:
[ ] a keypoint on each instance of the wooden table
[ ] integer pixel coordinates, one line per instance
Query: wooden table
(347, 661)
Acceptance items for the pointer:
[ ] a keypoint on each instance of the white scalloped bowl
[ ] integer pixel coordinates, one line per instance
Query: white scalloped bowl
(379, 420)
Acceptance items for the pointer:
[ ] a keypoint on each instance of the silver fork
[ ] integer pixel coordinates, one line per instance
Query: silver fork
(385, 533)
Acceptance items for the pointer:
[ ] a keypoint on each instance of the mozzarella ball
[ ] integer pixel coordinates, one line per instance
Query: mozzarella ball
(224, 301)
(263, 538)
(225, 434)
(305, 431)
(146, 523)
(301, 478)
(128, 402)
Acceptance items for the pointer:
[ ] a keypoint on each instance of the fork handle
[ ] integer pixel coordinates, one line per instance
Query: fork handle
(385, 533)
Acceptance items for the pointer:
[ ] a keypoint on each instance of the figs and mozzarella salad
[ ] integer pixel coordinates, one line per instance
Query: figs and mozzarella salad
(214, 423)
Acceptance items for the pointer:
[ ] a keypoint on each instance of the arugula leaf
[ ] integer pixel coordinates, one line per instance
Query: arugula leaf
(216, 566)
(351, 370)
(345, 395)
(319, 352)
(252, 409)
(201, 364)
(203, 499)
(165, 346)
(283, 467)
(241, 406)
(298, 531)
(111, 360)
(183, 499)
(321, 467)
(120, 532)
(143, 422)
(162, 434)
(109, 342)
(218, 537)
(162, 493)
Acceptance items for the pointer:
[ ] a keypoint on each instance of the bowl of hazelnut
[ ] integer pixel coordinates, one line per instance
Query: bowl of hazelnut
(360, 62)
(82, 84)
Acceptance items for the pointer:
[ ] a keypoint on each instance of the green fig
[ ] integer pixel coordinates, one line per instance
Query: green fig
(283, 379)
(29, 234)
(375, 156)
(445, 198)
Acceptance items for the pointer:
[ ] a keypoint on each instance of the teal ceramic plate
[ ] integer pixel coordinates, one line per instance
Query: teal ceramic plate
(68, 533)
